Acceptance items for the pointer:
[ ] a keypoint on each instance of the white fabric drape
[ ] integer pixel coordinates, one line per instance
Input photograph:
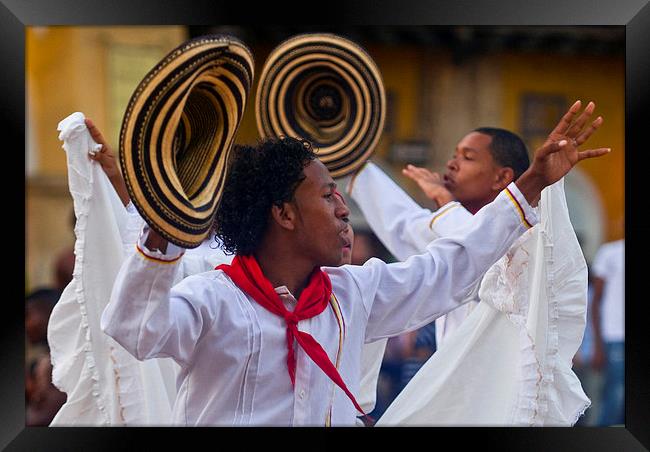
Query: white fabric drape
(104, 384)
(509, 362)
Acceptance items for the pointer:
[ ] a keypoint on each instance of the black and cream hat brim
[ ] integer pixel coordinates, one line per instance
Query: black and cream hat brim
(177, 132)
(328, 90)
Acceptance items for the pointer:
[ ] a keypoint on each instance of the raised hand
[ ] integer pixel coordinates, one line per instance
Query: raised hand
(430, 183)
(105, 157)
(571, 128)
(108, 161)
(560, 152)
(553, 162)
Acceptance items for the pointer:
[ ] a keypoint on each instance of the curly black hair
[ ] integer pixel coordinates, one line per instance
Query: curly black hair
(258, 178)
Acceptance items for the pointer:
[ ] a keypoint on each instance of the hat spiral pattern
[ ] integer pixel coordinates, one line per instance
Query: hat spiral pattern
(328, 90)
(177, 133)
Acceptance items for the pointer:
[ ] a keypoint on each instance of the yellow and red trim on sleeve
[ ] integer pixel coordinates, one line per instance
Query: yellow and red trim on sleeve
(156, 259)
(439, 214)
(520, 209)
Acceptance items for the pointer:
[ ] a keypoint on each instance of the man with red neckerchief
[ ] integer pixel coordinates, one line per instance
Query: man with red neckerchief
(276, 337)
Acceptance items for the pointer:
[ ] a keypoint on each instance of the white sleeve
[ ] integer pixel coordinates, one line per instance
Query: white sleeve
(372, 356)
(397, 220)
(131, 227)
(449, 219)
(148, 317)
(198, 261)
(407, 295)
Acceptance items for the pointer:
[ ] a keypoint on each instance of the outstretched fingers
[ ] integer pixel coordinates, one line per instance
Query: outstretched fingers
(584, 136)
(408, 170)
(577, 126)
(417, 173)
(591, 153)
(567, 119)
(550, 148)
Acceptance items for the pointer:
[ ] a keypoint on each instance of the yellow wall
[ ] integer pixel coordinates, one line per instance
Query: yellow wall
(599, 79)
(401, 70)
(67, 71)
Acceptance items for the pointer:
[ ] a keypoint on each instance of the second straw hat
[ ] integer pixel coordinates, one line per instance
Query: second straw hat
(177, 132)
(328, 90)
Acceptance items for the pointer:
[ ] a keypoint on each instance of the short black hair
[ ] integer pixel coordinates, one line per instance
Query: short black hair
(507, 149)
(258, 178)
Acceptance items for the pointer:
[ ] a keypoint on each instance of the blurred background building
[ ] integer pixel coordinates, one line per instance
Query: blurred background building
(441, 82)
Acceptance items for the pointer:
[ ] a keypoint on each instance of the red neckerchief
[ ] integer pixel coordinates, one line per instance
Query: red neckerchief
(247, 275)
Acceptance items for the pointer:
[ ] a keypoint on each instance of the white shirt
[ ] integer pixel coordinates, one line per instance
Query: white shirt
(406, 229)
(232, 351)
(609, 265)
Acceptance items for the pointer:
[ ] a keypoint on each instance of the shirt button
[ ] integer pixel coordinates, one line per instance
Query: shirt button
(302, 393)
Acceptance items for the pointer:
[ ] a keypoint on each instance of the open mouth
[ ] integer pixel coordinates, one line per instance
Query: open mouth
(344, 239)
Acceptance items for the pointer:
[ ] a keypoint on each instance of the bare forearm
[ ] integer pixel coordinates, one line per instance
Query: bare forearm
(117, 181)
(156, 242)
(531, 186)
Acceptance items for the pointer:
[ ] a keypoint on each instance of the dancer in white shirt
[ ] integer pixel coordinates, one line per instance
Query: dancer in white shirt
(535, 297)
(232, 330)
(116, 397)
(485, 161)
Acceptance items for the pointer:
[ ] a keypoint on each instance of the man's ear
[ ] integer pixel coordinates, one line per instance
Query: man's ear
(284, 215)
(505, 175)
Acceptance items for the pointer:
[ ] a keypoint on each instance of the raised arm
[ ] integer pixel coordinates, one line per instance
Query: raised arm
(430, 183)
(146, 315)
(407, 295)
(451, 215)
(398, 296)
(399, 222)
(106, 158)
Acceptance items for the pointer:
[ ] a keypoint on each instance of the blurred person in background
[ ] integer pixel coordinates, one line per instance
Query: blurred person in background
(45, 399)
(38, 307)
(582, 364)
(582, 361)
(42, 399)
(608, 322)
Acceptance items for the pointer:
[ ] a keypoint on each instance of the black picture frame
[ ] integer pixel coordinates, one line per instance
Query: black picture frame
(634, 15)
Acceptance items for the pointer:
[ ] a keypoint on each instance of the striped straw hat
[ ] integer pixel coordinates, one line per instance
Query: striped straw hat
(326, 89)
(177, 132)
